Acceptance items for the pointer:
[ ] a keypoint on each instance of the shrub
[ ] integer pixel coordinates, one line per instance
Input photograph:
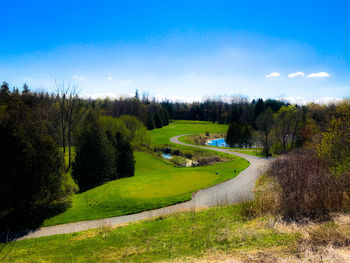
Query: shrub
(307, 187)
(167, 150)
(208, 160)
(327, 234)
(176, 152)
(179, 161)
(188, 155)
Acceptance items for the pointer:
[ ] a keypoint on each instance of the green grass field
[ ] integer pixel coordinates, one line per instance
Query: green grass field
(162, 136)
(179, 236)
(156, 183)
(249, 151)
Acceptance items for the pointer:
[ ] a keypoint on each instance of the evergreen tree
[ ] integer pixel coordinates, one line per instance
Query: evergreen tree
(150, 122)
(25, 89)
(94, 161)
(158, 120)
(165, 114)
(4, 89)
(126, 160)
(233, 135)
(259, 107)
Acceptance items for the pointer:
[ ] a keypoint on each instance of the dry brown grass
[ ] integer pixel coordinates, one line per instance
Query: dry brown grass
(319, 242)
(326, 254)
(267, 196)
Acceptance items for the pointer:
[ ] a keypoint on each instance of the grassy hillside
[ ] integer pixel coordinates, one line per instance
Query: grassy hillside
(186, 235)
(162, 136)
(156, 184)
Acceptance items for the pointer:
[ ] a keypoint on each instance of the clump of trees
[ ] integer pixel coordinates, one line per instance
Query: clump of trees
(135, 132)
(335, 141)
(151, 113)
(239, 135)
(39, 136)
(274, 126)
(315, 180)
(104, 149)
(33, 182)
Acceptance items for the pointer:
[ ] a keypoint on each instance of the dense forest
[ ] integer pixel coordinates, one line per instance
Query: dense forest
(80, 143)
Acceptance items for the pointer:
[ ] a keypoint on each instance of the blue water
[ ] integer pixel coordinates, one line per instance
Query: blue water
(218, 142)
(166, 156)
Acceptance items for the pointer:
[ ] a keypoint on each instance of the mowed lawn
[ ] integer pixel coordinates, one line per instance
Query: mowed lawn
(156, 183)
(162, 136)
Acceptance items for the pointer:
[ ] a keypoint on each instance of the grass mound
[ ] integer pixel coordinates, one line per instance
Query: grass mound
(156, 184)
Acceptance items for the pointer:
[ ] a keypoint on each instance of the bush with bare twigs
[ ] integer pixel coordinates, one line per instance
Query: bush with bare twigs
(308, 189)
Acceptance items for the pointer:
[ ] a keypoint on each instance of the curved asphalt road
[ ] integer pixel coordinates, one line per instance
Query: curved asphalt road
(235, 190)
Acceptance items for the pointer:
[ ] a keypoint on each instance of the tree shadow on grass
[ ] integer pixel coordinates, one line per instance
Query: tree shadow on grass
(23, 221)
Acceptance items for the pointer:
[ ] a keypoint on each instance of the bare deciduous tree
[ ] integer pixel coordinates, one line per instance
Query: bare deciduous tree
(71, 111)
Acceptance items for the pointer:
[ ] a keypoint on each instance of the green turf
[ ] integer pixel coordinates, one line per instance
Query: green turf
(162, 136)
(180, 236)
(156, 184)
(249, 151)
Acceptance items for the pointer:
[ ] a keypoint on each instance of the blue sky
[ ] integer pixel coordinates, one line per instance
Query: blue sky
(180, 49)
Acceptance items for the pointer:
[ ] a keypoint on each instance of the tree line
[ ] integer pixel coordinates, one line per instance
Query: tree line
(278, 130)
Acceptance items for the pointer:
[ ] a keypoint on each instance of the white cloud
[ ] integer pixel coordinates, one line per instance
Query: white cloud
(273, 75)
(328, 100)
(296, 74)
(109, 78)
(318, 75)
(303, 101)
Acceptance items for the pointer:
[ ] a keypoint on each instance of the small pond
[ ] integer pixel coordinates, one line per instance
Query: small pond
(218, 142)
(166, 156)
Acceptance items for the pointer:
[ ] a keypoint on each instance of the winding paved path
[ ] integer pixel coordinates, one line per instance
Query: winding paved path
(232, 191)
